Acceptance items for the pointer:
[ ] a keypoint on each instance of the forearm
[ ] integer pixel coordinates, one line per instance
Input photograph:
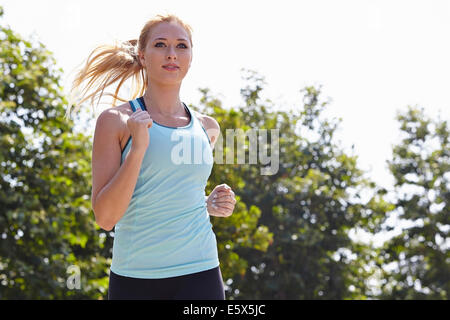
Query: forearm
(113, 200)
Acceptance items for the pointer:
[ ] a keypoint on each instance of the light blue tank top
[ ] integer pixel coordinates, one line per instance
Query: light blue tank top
(166, 229)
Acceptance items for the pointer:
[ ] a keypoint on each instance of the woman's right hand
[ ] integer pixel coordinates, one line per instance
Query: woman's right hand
(138, 124)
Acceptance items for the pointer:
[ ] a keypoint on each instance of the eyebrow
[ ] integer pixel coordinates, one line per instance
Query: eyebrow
(166, 39)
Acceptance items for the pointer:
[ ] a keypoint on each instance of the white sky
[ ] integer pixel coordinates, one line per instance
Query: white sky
(372, 57)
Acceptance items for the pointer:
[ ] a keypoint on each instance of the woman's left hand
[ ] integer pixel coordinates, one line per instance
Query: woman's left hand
(221, 201)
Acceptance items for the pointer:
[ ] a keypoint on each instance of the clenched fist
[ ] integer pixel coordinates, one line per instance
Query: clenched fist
(221, 201)
(138, 124)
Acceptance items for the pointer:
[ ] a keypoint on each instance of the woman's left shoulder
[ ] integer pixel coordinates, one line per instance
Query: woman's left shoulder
(207, 121)
(210, 124)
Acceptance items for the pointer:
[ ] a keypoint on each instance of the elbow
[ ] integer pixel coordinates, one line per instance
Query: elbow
(104, 224)
(102, 220)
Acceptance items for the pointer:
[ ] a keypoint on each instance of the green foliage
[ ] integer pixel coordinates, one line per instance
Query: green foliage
(46, 224)
(288, 237)
(308, 206)
(417, 261)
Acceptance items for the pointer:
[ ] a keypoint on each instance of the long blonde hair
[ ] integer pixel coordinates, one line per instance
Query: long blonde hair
(108, 64)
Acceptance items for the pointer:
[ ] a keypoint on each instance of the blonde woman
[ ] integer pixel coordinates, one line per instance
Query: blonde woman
(164, 245)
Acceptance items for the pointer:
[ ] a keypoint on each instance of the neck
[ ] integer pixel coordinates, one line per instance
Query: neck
(163, 100)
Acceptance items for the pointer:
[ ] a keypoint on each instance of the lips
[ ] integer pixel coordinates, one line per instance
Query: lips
(170, 66)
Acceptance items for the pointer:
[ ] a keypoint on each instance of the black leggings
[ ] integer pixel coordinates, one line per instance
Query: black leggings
(204, 285)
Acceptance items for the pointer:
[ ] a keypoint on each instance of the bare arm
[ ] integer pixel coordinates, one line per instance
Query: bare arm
(215, 204)
(112, 184)
(211, 127)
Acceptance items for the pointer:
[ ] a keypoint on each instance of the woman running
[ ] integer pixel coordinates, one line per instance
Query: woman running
(153, 194)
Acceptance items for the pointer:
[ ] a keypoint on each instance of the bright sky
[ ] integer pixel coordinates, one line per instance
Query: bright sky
(371, 57)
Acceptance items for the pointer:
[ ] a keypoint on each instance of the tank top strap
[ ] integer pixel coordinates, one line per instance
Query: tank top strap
(135, 105)
(140, 102)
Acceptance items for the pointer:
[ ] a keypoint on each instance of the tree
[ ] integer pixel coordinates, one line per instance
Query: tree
(417, 261)
(47, 230)
(288, 237)
(309, 205)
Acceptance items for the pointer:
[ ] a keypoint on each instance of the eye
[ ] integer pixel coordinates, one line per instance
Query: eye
(156, 45)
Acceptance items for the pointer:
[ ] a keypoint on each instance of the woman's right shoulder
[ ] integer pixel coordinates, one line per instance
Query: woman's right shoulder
(116, 117)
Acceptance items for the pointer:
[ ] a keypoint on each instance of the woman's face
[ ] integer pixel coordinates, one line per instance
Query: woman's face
(167, 43)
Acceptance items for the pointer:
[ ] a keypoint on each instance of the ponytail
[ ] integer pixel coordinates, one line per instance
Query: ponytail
(106, 65)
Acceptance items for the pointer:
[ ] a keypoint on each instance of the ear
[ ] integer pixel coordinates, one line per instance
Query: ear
(141, 58)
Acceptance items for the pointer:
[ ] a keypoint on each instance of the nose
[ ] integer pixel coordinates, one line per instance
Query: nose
(171, 53)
